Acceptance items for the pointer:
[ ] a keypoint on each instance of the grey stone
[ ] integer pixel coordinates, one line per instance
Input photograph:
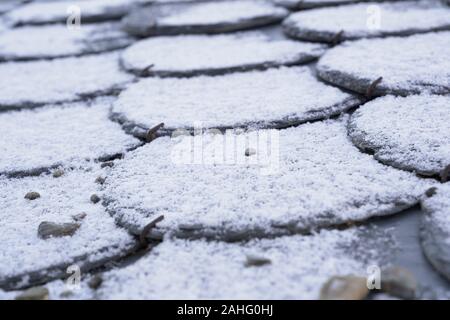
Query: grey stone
(33, 195)
(95, 199)
(58, 173)
(256, 261)
(50, 229)
(95, 282)
(399, 282)
(344, 288)
(35, 293)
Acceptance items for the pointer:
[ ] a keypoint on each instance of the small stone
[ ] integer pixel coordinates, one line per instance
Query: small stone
(249, 152)
(50, 229)
(79, 217)
(66, 294)
(399, 282)
(32, 195)
(58, 173)
(344, 288)
(108, 164)
(35, 293)
(95, 282)
(95, 199)
(254, 261)
(431, 192)
(100, 180)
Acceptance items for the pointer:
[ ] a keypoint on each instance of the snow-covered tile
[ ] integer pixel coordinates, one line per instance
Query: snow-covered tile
(52, 41)
(309, 4)
(44, 12)
(295, 267)
(210, 17)
(354, 21)
(29, 258)
(415, 64)
(291, 96)
(409, 133)
(267, 182)
(201, 54)
(35, 140)
(435, 228)
(32, 83)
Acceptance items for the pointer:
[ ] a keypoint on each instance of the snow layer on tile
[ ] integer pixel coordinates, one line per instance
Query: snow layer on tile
(414, 64)
(410, 133)
(291, 95)
(438, 206)
(355, 21)
(222, 12)
(307, 176)
(24, 253)
(60, 11)
(300, 265)
(58, 41)
(307, 4)
(202, 53)
(45, 137)
(38, 82)
(435, 229)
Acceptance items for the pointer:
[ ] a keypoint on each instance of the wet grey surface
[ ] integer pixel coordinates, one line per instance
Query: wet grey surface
(405, 227)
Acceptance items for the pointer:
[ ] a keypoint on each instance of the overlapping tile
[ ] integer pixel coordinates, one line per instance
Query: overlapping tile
(283, 268)
(393, 65)
(273, 183)
(45, 12)
(29, 258)
(200, 54)
(35, 140)
(435, 228)
(53, 41)
(409, 133)
(34, 83)
(351, 22)
(292, 96)
(210, 17)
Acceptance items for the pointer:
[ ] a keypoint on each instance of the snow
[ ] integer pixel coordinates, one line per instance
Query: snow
(307, 4)
(222, 12)
(410, 132)
(316, 178)
(367, 60)
(291, 96)
(179, 269)
(53, 135)
(438, 207)
(58, 41)
(59, 11)
(355, 20)
(190, 53)
(23, 252)
(38, 82)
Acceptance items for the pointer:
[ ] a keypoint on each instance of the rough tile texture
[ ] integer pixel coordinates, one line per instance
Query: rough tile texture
(210, 187)
(35, 140)
(366, 21)
(409, 133)
(356, 65)
(292, 96)
(29, 259)
(193, 55)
